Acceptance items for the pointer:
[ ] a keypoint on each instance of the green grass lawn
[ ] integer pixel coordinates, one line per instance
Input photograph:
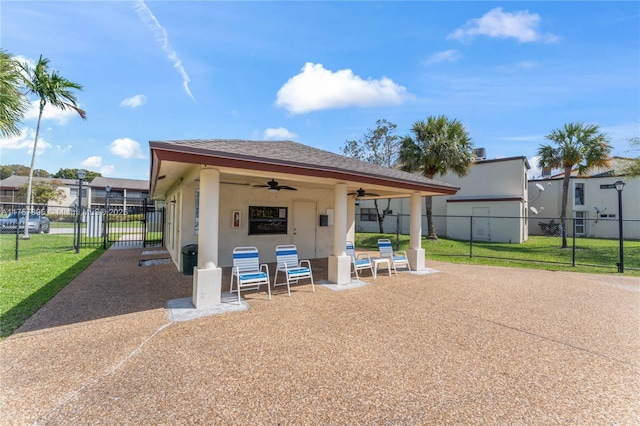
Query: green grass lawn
(591, 255)
(38, 275)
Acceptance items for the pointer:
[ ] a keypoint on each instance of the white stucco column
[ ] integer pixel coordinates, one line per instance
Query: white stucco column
(351, 220)
(339, 263)
(207, 277)
(416, 252)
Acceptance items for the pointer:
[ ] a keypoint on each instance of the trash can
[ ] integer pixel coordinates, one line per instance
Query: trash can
(189, 258)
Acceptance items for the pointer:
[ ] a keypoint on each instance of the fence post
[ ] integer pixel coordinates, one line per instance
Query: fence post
(144, 222)
(18, 233)
(470, 236)
(573, 240)
(397, 231)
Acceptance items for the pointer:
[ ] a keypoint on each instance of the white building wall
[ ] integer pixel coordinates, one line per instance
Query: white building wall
(235, 198)
(505, 178)
(599, 204)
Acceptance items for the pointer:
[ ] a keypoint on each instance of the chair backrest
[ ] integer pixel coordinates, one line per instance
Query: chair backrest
(385, 248)
(246, 259)
(350, 250)
(287, 254)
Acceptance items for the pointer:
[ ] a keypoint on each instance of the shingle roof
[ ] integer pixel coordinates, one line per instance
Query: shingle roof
(293, 155)
(117, 183)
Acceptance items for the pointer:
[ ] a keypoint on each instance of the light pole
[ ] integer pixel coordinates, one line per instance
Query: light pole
(619, 187)
(81, 176)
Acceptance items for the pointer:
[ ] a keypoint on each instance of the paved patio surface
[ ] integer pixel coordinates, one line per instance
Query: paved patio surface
(463, 345)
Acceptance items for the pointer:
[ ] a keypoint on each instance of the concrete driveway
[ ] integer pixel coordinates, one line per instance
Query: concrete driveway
(464, 345)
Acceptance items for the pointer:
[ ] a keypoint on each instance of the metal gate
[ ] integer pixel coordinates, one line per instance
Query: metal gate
(133, 222)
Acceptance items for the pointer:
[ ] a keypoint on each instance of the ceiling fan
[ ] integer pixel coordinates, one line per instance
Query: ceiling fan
(362, 193)
(272, 185)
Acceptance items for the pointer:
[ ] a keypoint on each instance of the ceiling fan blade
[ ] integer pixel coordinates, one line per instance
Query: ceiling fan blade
(288, 188)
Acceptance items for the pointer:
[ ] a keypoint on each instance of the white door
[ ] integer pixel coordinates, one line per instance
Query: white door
(304, 228)
(481, 229)
(580, 226)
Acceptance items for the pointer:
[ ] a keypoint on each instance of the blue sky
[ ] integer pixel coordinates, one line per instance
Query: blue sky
(321, 73)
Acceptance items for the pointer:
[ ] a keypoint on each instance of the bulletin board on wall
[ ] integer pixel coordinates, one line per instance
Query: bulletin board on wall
(267, 220)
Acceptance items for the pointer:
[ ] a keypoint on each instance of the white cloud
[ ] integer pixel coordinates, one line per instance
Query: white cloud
(107, 170)
(61, 116)
(25, 61)
(163, 38)
(522, 26)
(451, 55)
(134, 101)
(64, 149)
(527, 64)
(126, 148)
(25, 141)
(317, 88)
(94, 161)
(279, 133)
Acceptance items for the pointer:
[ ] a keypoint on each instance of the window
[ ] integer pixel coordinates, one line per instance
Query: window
(267, 220)
(579, 194)
(607, 215)
(608, 186)
(368, 215)
(74, 192)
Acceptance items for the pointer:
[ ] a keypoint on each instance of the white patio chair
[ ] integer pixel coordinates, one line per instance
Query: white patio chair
(294, 269)
(248, 272)
(360, 261)
(398, 258)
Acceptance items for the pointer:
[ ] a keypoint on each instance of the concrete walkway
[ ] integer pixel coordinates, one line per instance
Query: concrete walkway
(463, 345)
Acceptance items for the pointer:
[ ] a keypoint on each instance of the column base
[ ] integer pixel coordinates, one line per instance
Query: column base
(339, 269)
(207, 287)
(416, 259)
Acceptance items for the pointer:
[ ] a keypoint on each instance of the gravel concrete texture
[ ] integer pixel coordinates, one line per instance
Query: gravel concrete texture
(465, 345)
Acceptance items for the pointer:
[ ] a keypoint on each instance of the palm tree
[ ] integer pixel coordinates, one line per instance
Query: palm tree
(13, 103)
(577, 146)
(50, 88)
(439, 145)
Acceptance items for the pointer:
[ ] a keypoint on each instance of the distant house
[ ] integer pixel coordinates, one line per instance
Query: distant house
(592, 203)
(11, 186)
(130, 195)
(492, 191)
(124, 193)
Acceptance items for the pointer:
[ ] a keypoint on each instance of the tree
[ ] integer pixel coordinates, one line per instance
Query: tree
(575, 146)
(13, 169)
(13, 103)
(73, 174)
(631, 166)
(45, 191)
(439, 145)
(50, 88)
(378, 146)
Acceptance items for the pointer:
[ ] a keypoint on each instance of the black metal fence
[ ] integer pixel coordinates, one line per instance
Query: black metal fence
(65, 228)
(579, 241)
